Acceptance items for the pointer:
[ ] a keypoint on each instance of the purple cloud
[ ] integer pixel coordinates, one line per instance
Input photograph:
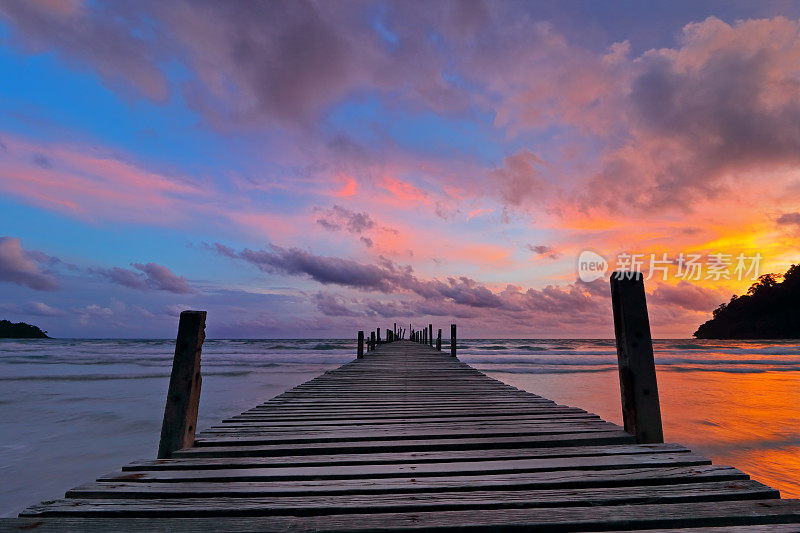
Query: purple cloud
(332, 305)
(789, 219)
(150, 276)
(459, 294)
(20, 266)
(338, 217)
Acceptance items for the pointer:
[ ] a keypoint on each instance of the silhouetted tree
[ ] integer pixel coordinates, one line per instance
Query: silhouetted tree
(769, 310)
(20, 330)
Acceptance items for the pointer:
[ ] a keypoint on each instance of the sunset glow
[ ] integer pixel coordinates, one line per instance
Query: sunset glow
(400, 163)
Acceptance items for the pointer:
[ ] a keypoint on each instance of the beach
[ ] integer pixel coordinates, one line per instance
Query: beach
(75, 409)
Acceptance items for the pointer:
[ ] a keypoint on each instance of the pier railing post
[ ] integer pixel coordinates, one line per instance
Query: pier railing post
(641, 411)
(453, 340)
(378, 335)
(372, 339)
(430, 335)
(183, 395)
(439, 340)
(360, 352)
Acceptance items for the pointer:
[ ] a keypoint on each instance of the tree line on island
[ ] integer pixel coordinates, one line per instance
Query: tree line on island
(769, 310)
(20, 330)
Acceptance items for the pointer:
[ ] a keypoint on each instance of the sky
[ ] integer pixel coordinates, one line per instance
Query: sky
(308, 169)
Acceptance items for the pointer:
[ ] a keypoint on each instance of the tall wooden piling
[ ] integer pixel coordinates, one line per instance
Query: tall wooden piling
(183, 395)
(360, 352)
(378, 335)
(439, 340)
(641, 411)
(453, 340)
(372, 339)
(430, 334)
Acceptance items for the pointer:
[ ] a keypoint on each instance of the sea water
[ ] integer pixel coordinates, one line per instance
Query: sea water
(71, 410)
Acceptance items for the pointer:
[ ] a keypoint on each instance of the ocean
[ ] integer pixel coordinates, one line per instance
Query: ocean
(71, 410)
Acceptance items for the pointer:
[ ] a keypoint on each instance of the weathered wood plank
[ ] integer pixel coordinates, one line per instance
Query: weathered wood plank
(541, 480)
(417, 469)
(597, 518)
(200, 463)
(429, 501)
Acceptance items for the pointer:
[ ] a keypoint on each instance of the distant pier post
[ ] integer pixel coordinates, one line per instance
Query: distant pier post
(372, 339)
(360, 352)
(183, 395)
(453, 340)
(439, 340)
(430, 334)
(641, 411)
(388, 335)
(378, 335)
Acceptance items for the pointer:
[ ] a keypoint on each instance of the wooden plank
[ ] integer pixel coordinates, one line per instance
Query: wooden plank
(429, 501)
(597, 518)
(534, 480)
(417, 469)
(201, 463)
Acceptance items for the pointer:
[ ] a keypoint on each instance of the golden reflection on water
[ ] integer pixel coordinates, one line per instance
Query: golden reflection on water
(749, 420)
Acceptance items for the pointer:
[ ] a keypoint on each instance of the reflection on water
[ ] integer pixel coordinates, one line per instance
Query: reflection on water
(74, 409)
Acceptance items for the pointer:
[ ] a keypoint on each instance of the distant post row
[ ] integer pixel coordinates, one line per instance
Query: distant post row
(423, 336)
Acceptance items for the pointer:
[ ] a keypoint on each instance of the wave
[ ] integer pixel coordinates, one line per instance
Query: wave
(323, 346)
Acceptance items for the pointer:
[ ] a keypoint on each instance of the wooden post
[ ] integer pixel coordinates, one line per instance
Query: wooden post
(372, 339)
(394, 330)
(360, 352)
(439, 340)
(183, 396)
(453, 340)
(641, 411)
(388, 335)
(430, 335)
(378, 335)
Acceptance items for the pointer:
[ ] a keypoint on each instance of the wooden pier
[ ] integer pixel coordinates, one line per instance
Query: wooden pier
(406, 436)
(409, 437)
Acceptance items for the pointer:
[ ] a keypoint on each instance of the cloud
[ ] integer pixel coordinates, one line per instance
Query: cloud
(338, 217)
(326, 270)
(32, 308)
(19, 266)
(543, 250)
(150, 276)
(686, 295)
(704, 117)
(520, 178)
(458, 294)
(114, 44)
(285, 60)
(789, 219)
(332, 305)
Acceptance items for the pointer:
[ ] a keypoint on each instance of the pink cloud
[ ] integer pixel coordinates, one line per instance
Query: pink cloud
(16, 266)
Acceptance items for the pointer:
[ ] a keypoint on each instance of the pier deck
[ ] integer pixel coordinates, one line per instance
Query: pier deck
(409, 437)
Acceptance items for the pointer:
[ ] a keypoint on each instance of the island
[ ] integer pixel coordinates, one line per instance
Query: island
(769, 310)
(20, 330)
